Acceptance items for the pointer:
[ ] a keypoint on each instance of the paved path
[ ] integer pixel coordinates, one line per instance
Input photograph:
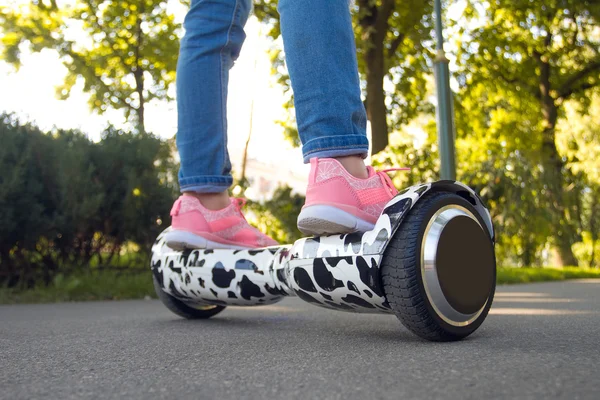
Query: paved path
(541, 341)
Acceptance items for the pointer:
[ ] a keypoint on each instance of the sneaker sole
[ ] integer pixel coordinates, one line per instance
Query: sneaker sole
(182, 240)
(328, 220)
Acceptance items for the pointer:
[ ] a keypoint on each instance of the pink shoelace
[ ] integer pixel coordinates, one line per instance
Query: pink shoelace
(238, 203)
(387, 181)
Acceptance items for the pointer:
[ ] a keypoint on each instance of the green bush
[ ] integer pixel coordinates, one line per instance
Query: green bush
(65, 200)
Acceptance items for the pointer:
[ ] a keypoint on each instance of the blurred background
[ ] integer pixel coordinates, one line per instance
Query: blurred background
(88, 163)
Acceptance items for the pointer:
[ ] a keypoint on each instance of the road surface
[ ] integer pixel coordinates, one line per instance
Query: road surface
(540, 341)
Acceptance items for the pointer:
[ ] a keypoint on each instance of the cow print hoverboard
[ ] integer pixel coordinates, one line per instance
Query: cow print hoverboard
(429, 260)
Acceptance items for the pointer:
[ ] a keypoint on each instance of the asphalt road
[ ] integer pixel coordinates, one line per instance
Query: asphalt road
(540, 341)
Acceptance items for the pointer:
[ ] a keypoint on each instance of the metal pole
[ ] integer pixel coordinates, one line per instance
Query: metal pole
(445, 110)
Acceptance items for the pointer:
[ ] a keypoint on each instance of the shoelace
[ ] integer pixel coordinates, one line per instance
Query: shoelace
(238, 203)
(387, 181)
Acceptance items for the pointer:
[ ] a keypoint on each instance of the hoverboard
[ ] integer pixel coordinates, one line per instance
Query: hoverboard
(429, 260)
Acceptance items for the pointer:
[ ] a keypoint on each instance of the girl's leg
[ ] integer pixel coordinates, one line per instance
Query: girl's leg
(205, 217)
(342, 195)
(320, 55)
(214, 34)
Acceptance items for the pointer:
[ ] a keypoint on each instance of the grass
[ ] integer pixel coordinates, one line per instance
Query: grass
(95, 285)
(508, 275)
(137, 284)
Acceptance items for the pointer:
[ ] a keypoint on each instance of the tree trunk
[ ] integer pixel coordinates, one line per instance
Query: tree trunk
(594, 233)
(565, 252)
(553, 166)
(375, 22)
(553, 170)
(243, 182)
(138, 72)
(376, 109)
(528, 255)
(139, 81)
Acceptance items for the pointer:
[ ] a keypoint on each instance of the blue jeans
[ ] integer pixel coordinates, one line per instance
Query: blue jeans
(321, 59)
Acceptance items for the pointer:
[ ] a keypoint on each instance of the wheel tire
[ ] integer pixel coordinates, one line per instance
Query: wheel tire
(182, 309)
(402, 276)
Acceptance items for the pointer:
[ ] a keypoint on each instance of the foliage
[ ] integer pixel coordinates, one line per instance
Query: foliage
(578, 136)
(65, 200)
(520, 61)
(495, 155)
(277, 216)
(421, 158)
(578, 139)
(126, 56)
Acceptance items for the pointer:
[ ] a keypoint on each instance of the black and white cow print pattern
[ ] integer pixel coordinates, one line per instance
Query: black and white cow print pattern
(339, 271)
(349, 283)
(219, 277)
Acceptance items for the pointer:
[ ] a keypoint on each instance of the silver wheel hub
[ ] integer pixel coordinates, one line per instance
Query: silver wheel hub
(457, 265)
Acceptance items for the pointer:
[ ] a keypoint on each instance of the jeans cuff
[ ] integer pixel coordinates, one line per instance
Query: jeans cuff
(205, 184)
(336, 146)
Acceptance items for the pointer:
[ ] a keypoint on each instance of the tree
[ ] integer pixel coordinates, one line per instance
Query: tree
(545, 53)
(392, 41)
(124, 51)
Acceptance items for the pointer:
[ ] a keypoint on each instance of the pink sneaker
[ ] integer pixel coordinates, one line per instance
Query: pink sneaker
(337, 202)
(195, 227)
